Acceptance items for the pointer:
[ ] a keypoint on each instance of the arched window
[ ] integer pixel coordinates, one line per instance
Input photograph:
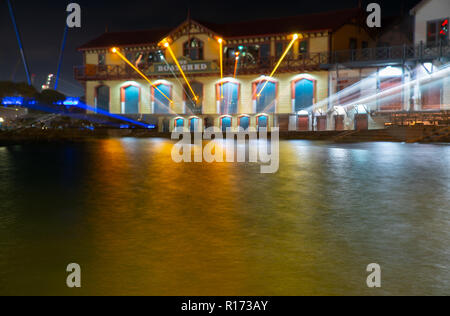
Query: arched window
(102, 98)
(226, 123)
(193, 106)
(263, 121)
(179, 123)
(228, 97)
(244, 122)
(130, 96)
(193, 49)
(266, 98)
(161, 105)
(303, 93)
(194, 124)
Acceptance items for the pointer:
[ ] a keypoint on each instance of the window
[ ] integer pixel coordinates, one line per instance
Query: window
(228, 94)
(303, 94)
(101, 59)
(437, 32)
(248, 54)
(156, 57)
(365, 44)
(353, 43)
(193, 49)
(303, 47)
(265, 99)
(279, 49)
(192, 106)
(161, 105)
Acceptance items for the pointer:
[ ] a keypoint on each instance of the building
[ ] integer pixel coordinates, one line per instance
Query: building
(295, 98)
(395, 82)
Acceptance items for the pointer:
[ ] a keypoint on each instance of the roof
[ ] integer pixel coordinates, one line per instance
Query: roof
(331, 20)
(418, 6)
(129, 38)
(327, 21)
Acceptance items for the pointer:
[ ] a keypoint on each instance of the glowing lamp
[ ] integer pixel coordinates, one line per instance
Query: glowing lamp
(114, 50)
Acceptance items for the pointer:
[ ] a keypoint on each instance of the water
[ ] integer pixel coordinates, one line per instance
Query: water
(138, 223)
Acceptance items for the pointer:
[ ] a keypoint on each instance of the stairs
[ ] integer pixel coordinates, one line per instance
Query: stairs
(380, 135)
(440, 135)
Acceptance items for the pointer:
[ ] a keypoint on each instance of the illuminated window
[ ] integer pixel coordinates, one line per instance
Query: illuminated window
(193, 106)
(161, 105)
(244, 122)
(265, 99)
(193, 49)
(249, 55)
(303, 94)
(156, 57)
(228, 94)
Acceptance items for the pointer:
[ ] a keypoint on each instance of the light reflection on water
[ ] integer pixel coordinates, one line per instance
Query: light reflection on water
(138, 223)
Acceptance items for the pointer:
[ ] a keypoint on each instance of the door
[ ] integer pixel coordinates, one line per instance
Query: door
(431, 96)
(321, 123)
(361, 122)
(339, 122)
(132, 100)
(392, 100)
(166, 125)
(103, 98)
(303, 123)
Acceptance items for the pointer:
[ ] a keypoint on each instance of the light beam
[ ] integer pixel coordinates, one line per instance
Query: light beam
(236, 65)
(116, 51)
(294, 38)
(167, 45)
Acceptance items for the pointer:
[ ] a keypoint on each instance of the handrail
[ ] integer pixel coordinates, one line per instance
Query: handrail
(304, 61)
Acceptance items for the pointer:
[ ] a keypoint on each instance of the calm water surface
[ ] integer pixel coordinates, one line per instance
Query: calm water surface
(138, 223)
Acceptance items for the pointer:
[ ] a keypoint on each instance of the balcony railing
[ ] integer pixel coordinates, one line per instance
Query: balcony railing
(390, 54)
(303, 62)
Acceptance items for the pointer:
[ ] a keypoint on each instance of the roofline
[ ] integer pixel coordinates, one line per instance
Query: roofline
(330, 30)
(417, 7)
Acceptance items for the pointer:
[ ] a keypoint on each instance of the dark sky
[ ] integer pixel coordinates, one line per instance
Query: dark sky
(42, 22)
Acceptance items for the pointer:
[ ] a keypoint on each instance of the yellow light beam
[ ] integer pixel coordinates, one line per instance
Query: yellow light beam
(166, 44)
(295, 37)
(221, 57)
(236, 64)
(116, 51)
(221, 65)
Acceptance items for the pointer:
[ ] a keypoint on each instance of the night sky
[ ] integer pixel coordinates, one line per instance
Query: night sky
(42, 23)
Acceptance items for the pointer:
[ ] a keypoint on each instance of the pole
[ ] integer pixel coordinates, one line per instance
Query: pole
(61, 54)
(19, 41)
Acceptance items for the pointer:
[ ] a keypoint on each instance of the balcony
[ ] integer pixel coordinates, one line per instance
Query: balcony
(387, 55)
(305, 62)
(370, 57)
